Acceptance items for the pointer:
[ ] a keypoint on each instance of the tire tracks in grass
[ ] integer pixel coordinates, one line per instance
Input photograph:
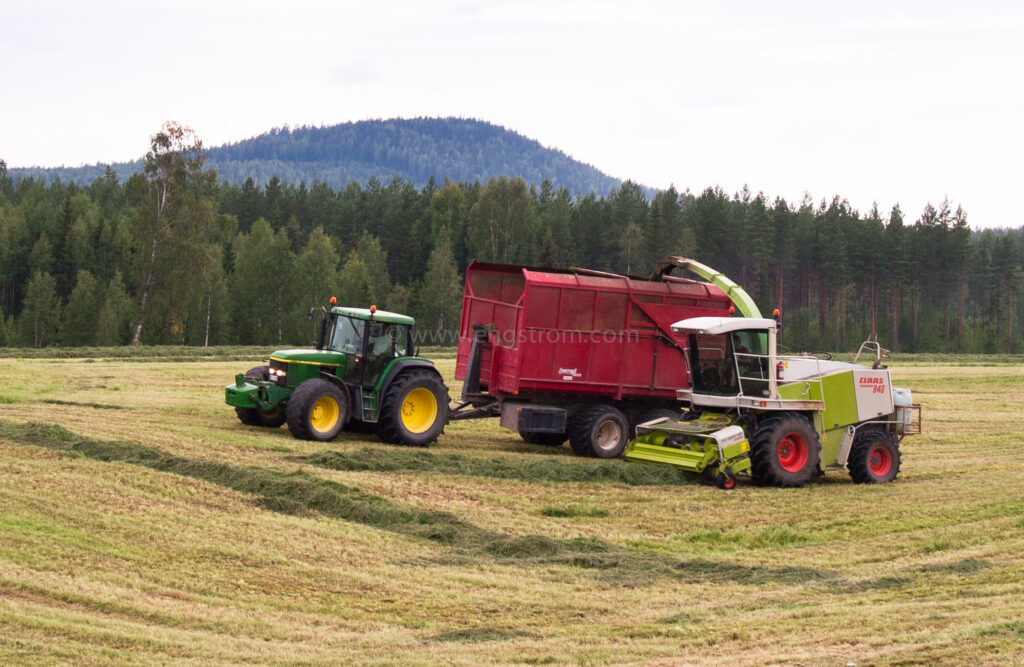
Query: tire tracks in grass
(299, 493)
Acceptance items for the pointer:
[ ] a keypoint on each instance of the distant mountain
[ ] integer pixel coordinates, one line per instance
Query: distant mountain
(414, 149)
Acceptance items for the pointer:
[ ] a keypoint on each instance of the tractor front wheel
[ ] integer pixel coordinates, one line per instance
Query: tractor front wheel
(414, 410)
(256, 417)
(598, 430)
(784, 450)
(316, 410)
(874, 457)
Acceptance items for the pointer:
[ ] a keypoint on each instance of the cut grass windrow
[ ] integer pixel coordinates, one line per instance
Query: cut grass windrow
(300, 493)
(391, 459)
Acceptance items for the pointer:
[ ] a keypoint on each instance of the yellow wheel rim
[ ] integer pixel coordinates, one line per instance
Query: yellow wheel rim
(419, 410)
(324, 414)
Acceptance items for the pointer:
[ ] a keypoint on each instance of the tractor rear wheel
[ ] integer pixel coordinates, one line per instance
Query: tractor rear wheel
(414, 410)
(874, 457)
(785, 450)
(546, 439)
(600, 431)
(316, 410)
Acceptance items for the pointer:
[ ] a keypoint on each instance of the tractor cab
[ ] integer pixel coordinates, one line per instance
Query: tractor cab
(729, 359)
(370, 339)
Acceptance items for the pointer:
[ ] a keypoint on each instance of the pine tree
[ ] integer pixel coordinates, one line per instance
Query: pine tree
(40, 316)
(114, 320)
(441, 296)
(82, 311)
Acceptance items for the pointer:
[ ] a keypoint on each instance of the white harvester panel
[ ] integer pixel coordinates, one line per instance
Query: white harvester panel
(873, 389)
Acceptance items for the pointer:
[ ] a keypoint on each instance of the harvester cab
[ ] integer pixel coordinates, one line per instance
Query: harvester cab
(362, 375)
(796, 415)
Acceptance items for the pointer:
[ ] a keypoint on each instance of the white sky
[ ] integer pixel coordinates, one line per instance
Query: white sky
(891, 101)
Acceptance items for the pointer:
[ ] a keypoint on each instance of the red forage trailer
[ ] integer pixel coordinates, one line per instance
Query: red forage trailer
(576, 354)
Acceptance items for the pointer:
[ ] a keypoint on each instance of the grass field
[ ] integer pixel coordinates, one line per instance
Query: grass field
(141, 522)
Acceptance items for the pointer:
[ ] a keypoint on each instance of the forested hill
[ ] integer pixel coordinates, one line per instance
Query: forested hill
(415, 150)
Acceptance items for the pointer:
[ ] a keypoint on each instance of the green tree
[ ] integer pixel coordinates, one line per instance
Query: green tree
(441, 295)
(82, 311)
(173, 218)
(356, 286)
(114, 323)
(502, 223)
(316, 278)
(40, 316)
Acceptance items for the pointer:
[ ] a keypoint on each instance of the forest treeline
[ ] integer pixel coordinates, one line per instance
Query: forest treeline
(173, 255)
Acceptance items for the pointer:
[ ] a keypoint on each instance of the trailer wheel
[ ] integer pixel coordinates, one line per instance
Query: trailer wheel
(598, 430)
(316, 410)
(874, 457)
(256, 417)
(547, 439)
(414, 410)
(784, 450)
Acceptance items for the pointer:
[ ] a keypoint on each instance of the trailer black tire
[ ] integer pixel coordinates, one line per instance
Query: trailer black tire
(546, 439)
(785, 450)
(600, 431)
(874, 457)
(414, 410)
(316, 410)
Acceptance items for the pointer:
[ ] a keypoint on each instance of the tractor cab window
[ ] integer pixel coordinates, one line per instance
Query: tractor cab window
(386, 342)
(347, 336)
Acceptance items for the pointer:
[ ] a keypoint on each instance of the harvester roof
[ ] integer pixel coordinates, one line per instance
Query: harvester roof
(721, 325)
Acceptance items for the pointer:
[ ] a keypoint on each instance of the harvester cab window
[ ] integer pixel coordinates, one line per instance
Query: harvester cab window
(751, 350)
(713, 365)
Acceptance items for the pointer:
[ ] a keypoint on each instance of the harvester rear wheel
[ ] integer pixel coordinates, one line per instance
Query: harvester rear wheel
(414, 410)
(874, 457)
(316, 410)
(547, 439)
(785, 450)
(600, 431)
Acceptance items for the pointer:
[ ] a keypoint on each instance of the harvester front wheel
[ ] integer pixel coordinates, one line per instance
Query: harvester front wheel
(316, 410)
(785, 450)
(725, 480)
(546, 439)
(414, 410)
(600, 431)
(874, 457)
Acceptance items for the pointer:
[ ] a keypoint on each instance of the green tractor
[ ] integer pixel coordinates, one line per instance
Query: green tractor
(782, 419)
(363, 376)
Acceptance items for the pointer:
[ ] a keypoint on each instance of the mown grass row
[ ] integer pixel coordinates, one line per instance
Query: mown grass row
(300, 493)
(169, 353)
(378, 459)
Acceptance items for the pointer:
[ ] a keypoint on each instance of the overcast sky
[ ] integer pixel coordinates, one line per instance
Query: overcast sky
(887, 102)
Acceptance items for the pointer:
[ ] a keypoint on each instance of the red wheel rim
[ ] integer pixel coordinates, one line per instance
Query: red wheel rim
(880, 461)
(793, 452)
(729, 482)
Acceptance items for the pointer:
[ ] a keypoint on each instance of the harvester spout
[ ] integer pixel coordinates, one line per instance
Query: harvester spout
(744, 304)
